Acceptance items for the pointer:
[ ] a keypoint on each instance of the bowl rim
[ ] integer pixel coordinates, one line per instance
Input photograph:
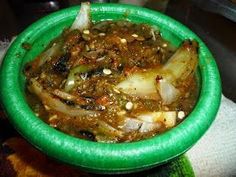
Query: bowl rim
(102, 157)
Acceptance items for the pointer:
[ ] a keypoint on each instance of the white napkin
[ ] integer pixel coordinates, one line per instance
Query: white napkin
(3, 47)
(214, 155)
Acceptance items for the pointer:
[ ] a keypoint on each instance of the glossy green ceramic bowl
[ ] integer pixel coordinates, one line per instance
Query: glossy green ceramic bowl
(102, 157)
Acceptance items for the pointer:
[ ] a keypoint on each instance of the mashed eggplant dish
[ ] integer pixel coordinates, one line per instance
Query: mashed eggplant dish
(112, 81)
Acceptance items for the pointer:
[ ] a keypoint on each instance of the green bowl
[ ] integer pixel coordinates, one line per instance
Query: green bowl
(102, 157)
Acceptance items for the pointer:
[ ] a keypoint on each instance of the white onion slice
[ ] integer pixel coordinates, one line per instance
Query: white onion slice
(48, 54)
(147, 127)
(56, 104)
(131, 124)
(167, 91)
(82, 20)
(108, 130)
(182, 64)
(168, 118)
(174, 73)
(141, 84)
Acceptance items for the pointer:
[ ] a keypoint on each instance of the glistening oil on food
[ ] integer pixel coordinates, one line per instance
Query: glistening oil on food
(112, 81)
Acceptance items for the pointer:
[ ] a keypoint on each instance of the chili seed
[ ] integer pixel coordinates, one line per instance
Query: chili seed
(181, 114)
(102, 34)
(129, 105)
(134, 35)
(86, 31)
(106, 71)
(123, 41)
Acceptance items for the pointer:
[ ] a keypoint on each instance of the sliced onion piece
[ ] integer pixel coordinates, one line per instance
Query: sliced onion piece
(179, 67)
(82, 20)
(167, 91)
(64, 95)
(56, 104)
(168, 118)
(107, 133)
(148, 127)
(47, 55)
(177, 70)
(149, 121)
(132, 124)
(140, 84)
(182, 64)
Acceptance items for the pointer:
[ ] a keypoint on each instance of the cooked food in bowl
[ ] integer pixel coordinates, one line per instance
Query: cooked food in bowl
(110, 157)
(112, 81)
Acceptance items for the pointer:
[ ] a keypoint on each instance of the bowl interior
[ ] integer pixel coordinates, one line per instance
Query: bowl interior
(101, 157)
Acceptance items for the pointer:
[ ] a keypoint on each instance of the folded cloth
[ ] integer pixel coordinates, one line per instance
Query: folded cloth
(214, 155)
(3, 47)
